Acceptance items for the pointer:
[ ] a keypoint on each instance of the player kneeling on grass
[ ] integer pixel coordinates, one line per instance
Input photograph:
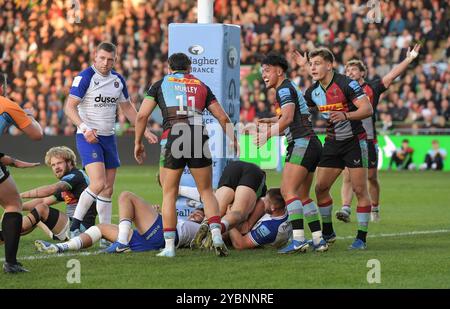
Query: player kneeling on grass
(148, 234)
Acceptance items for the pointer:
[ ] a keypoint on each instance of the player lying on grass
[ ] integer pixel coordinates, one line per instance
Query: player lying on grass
(148, 234)
(267, 225)
(72, 182)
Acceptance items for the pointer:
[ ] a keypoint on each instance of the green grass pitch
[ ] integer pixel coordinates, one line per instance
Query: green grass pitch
(412, 244)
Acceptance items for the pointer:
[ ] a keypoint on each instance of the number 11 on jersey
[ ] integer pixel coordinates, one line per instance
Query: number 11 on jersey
(181, 111)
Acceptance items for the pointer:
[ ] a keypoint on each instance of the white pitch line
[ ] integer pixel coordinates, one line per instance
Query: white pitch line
(51, 256)
(413, 233)
(48, 256)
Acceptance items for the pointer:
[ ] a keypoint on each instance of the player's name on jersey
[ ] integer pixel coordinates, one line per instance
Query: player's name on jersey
(188, 89)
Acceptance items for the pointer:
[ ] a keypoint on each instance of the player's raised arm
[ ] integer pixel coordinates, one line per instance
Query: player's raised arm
(401, 67)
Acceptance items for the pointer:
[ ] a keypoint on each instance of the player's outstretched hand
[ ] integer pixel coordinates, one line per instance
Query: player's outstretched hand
(23, 164)
(300, 59)
(412, 54)
(150, 137)
(139, 153)
(336, 116)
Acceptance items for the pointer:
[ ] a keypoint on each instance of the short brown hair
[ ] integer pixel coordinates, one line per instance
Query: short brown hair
(274, 194)
(357, 63)
(323, 52)
(61, 152)
(107, 46)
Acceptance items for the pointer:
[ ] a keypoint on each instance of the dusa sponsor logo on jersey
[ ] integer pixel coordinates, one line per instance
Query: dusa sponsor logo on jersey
(105, 101)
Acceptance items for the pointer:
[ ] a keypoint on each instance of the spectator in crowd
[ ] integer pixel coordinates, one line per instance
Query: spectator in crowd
(402, 157)
(435, 157)
(42, 48)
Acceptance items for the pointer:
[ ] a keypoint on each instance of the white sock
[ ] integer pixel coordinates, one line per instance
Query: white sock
(104, 209)
(317, 237)
(189, 192)
(298, 235)
(73, 244)
(216, 232)
(84, 203)
(124, 231)
(347, 209)
(170, 244)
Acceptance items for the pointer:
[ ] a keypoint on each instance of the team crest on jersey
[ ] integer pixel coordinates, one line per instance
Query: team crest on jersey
(94, 155)
(116, 84)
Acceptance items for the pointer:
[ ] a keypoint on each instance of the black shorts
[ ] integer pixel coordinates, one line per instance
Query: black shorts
(186, 145)
(4, 173)
(372, 147)
(240, 173)
(305, 152)
(351, 153)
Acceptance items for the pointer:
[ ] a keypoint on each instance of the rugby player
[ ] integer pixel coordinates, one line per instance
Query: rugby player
(342, 102)
(182, 98)
(240, 187)
(303, 153)
(94, 97)
(148, 234)
(355, 69)
(11, 113)
(71, 184)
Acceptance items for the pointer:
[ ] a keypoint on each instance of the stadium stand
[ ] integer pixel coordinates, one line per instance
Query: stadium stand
(41, 50)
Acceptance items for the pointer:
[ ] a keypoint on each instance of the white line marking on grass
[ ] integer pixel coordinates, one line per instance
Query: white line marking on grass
(49, 256)
(413, 233)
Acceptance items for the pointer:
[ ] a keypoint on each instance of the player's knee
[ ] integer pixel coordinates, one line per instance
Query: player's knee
(321, 188)
(42, 210)
(125, 197)
(373, 179)
(97, 187)
(360, 189)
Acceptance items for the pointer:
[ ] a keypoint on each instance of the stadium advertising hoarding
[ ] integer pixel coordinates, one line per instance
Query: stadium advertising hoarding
(268, 156)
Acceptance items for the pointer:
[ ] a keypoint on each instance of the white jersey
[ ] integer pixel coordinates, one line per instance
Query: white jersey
(186, 231)
(272, 231)
(99, 96)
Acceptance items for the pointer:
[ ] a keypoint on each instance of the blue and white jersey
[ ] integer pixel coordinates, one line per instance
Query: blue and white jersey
(272, 231)
(99, 96)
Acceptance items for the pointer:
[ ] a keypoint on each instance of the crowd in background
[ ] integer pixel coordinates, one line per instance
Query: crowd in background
(42, 49)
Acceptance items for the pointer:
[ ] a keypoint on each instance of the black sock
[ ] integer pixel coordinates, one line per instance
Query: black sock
(314, 226)
(327, 228)
(1, 236)
(75, 224)
(297, 224)
(361, 235)
(11, 227)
